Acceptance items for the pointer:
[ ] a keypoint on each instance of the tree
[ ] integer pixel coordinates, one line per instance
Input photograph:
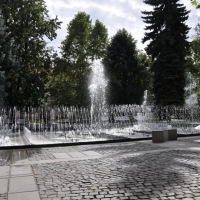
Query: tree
(28, 23)
(82, 45)
(195, 3)
(8, 63)
(98, 40)
(167, 32)
(194, 59)
(127, 73)
(61, 84)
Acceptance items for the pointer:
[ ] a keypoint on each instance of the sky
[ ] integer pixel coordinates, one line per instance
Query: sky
(114, 14)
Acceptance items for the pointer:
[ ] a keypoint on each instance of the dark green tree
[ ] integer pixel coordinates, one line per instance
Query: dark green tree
(61, 84)
(82, 45)
(127, 73)
(9, 65)
(28, 23)
(166, 32)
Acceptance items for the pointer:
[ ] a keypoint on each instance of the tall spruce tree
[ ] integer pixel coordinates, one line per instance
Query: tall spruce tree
(167, 32)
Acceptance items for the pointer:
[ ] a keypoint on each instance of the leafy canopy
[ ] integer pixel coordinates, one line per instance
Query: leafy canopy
(28, 23)
(127, 73)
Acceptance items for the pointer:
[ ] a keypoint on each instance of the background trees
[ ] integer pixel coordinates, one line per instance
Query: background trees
(167, 32)
(9, 65)
(194, 59)
(126, 70)
(82, 45)
(28, 23)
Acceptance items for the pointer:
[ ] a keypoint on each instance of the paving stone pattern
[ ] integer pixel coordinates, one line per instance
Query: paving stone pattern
(4, 196)
(191, 140)
(104, 149)
(117, 148)
(5, 158)
(39, 154)
(166, 175)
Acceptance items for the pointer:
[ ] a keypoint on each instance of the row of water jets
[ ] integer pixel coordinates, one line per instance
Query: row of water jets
(99, 121)
(76, 123)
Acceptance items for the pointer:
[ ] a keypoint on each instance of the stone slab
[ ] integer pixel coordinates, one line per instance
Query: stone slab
(91, 153)
(3, 186)
(61, 155)
(75, 154)
(24, 196)
(22, 184)
(21, 170)
(23, 188)
(19, 157)
(4, 171)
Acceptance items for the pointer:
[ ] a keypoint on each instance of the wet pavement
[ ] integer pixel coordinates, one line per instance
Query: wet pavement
(127, 170)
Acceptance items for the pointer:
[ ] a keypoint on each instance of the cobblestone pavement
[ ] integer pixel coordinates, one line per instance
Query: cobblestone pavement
(104, 149)
(166, 175)
(117, 148)
(191, 140)
(128, 170)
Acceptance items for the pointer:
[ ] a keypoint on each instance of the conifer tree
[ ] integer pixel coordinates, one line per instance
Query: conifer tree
(166, 32)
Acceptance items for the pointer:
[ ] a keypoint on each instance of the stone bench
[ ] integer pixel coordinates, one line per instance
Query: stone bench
(162, 136)
(170, 134)
(158, 136)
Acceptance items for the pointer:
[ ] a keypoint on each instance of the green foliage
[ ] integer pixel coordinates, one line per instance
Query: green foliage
(167, 32)
(195, 3)
(28, 23)
(126, 70)
(195, 58)
(61, 83)
(98, 40)
(8, 62)
(82, 45)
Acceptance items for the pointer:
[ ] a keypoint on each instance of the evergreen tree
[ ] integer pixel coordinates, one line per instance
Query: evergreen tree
(8, 62)
(167, 32)
(126, 71)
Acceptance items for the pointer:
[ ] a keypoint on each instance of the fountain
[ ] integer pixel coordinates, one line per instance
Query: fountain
(97, 90)
(191, 97)
(71, 124)
(99, 122)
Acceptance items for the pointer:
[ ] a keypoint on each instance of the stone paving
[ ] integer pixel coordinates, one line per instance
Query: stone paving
(191, 140)
(109, 149)
(5, 158)
(166, 175)
(131, 170)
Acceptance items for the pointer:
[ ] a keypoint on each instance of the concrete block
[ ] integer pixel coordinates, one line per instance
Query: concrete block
(158, 136)
(171, 134)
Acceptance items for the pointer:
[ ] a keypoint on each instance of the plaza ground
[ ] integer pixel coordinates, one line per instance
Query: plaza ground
(126, 170)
